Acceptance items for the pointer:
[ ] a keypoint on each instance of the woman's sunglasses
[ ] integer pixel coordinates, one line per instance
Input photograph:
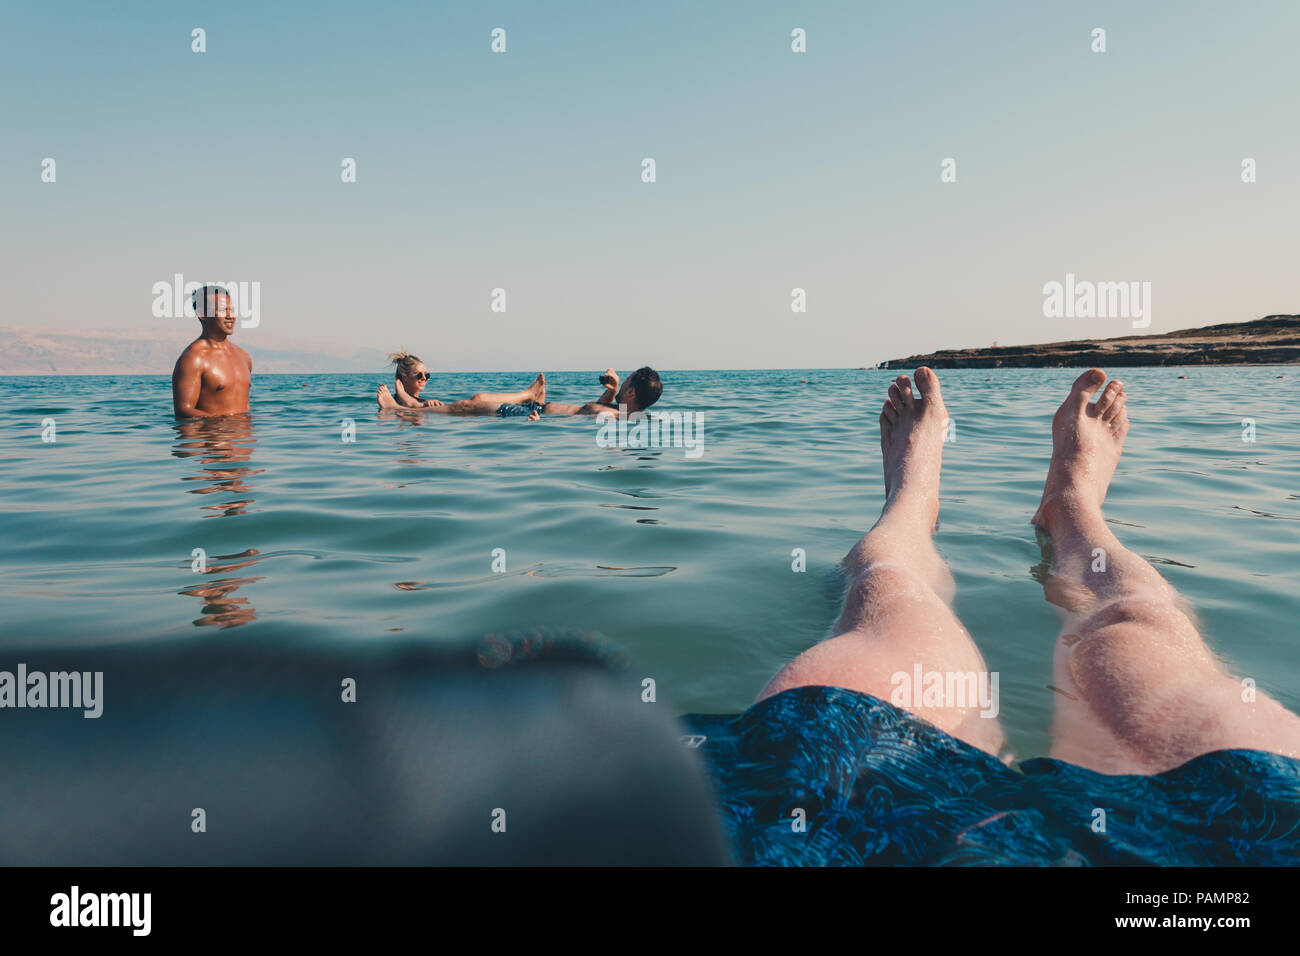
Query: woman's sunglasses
(422, 376)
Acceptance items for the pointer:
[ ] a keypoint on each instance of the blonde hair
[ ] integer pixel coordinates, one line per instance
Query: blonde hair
(405, 363)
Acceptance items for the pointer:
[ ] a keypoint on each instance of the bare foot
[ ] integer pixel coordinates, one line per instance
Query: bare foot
(911, 440)
(538, 389)
(403, 398)
(385, 397)
(1087, 440)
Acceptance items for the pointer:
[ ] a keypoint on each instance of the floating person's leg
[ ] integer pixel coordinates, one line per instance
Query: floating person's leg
(483, 403)
(896, 617)
(487, 403)
(1137, 689)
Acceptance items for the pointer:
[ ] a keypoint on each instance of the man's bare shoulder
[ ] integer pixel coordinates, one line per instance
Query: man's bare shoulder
(201, 349)
(193, 355)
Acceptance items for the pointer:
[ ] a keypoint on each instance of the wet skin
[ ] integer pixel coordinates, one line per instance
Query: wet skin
(607, 404)
(407, 388)
(213, 375)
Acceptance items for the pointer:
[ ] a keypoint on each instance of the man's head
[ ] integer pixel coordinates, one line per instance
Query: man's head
(214, 309)
(641, 390)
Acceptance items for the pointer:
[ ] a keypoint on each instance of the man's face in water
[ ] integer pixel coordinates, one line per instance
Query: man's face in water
(220, 314)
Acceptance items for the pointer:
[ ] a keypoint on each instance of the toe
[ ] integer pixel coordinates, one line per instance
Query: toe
(895, 396)
(905, 390)
(1086, 385)
(889, 413)
(928, 383)
(1113, 390)
(1120, 423)
(1115, 409)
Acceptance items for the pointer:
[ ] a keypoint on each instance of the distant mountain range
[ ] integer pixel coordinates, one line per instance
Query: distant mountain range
(1272, 340)
(144, 351)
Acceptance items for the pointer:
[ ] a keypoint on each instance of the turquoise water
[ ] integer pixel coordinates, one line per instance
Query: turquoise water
(686, 562)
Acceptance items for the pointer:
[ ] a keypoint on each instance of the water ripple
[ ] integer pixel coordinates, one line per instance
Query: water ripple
(689, 564)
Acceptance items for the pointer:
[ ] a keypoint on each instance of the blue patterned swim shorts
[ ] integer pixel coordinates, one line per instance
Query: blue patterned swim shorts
(519, 409)
(821, 776)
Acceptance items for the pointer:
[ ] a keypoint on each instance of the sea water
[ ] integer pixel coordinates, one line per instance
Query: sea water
(318, 519)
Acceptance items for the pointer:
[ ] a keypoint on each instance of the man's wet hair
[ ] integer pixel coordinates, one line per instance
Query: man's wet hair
(646, 386)
(201, 297)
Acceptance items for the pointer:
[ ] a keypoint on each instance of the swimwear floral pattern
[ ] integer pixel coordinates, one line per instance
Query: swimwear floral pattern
(879, 786)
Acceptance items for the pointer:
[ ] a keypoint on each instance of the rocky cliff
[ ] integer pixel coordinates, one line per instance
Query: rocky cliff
(1272, 340)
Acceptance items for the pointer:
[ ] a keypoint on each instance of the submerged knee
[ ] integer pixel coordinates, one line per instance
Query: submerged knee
(1134, 642)
(1147, 613)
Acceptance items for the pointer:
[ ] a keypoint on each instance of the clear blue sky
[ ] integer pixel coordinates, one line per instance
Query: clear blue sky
(775, 170)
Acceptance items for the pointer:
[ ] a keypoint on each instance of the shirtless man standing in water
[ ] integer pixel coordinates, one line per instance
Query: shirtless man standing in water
(213, 374)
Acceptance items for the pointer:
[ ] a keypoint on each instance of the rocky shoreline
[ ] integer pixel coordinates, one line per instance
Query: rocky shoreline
(1272, 340)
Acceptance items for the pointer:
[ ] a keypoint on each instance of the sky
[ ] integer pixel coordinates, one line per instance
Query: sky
(775, 170)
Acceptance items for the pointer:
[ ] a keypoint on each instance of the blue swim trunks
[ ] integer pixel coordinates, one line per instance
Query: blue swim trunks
(879, 786)
(519, 410)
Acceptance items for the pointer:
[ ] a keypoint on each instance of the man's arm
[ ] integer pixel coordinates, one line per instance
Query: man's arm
(591, 408)
(187, 385)
(610, 381)
(560, 408)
